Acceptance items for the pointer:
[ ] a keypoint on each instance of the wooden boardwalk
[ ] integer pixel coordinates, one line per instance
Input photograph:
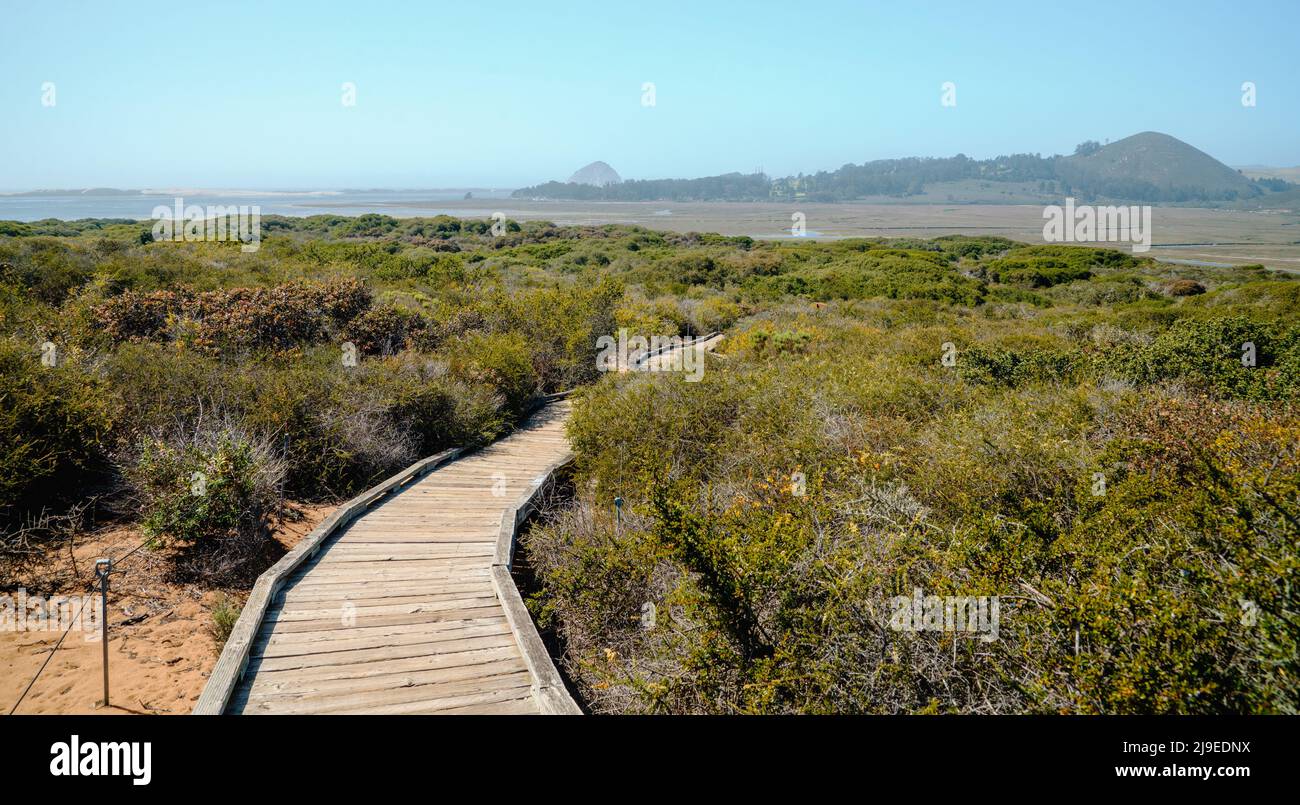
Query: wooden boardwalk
(402, 600)
(401, 611)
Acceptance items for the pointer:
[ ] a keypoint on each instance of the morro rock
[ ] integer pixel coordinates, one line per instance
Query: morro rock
(597, 173)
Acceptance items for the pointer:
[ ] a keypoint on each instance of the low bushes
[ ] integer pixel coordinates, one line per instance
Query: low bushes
(152, 338)
(1099, 456)
(1046, 266)
(211, 493)
(55, 426)
(888, 273)
(1139, 533)
(235, 320)
(501, 361)
(385, 330)
(1184, 288)
(340, 428)
(44, 269)
(1233, 356)
(1016, 367)
(224, 614)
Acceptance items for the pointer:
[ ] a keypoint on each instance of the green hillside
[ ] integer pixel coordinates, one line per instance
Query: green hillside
(1154, 166)
(1146, 167)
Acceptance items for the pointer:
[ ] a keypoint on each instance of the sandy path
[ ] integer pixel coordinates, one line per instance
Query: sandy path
(161, 647)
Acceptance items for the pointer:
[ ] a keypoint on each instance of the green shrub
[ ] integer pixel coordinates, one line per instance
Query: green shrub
(1015, 367)
(503, 362)
(1232, 356)
(717, 314)
(44, 269)
(893, 275)
(827, 463)
(239, 319)
(212, 494)
(55, 425)
(385, 330)
(1119, 595)
(1104, 291)
(780, 342)
(1184, 287)
(224, 614)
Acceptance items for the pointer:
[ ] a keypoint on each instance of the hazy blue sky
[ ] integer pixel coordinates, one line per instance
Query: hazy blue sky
(235, 94)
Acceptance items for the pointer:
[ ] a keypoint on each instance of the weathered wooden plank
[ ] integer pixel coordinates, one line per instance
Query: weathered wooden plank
(299, 686)
(372, 655)
(317, 611)
(234, 655)
(454, 574)
(369, 595)
(374, 570)
(327, 624)
(291, 644)
(406, 551)
(403, 602)
(371, 592)
(274, 680)
(509, 707)
(431, 697)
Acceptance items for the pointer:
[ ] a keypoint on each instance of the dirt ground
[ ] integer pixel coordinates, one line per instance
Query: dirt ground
(161, 644)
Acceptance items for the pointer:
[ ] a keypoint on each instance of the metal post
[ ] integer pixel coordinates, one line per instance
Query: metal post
(618, 515)
(102, 568)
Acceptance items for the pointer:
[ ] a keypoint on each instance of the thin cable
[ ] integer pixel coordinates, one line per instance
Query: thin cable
(75, 618)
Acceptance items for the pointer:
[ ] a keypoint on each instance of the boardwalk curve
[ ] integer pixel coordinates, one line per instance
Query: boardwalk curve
(405, 604)
(401, 601)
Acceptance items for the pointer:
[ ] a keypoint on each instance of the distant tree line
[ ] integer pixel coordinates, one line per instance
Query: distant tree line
(727, 187)
(909, 177)
(902, 178)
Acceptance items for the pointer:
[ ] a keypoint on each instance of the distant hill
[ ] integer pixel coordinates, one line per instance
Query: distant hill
(1154, 167)
(1147, 167)
(597, 174)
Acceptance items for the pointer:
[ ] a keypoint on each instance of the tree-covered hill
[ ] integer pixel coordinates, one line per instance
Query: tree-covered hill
(1146, 167)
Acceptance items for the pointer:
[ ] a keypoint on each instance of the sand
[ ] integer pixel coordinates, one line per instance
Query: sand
(161, 643)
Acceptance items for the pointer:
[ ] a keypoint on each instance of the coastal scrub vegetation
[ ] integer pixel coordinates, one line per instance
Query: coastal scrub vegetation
(1108, 444)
